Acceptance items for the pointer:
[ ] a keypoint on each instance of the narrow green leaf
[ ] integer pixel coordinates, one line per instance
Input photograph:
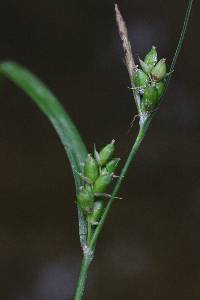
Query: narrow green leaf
(56, 114)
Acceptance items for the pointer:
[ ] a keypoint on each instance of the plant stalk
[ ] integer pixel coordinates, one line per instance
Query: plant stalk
(82, 277)
(181, 39)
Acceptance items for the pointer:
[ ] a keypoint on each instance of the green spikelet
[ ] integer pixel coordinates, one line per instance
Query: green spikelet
(91, 169)
(106, 153)
(86, 199)
(150, 99)
(151, 58)
(102, 183)
(112, 165)
(160, 86)
(140, 79)
(97, 212)
(160, 70)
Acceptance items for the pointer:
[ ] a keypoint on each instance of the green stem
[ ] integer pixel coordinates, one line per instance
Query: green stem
(82, 277)
(139, 139)
(181, 38)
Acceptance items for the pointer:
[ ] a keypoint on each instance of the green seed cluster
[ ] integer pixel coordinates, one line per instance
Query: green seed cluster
(98, 174)
(149, 81)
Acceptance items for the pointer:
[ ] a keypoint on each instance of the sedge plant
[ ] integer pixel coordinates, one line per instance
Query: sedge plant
(94, 172)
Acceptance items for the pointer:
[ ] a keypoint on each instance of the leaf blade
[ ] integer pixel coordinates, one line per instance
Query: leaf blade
(62, 123)
(54, 111)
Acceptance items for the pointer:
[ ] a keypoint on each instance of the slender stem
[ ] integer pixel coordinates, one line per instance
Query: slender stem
(82, 277)
(181, 38)
(139, 139)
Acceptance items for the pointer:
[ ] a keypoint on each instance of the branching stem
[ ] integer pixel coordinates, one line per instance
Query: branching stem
(144, 125)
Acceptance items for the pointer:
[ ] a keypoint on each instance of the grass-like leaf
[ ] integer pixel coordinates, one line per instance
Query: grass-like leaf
(56, 114)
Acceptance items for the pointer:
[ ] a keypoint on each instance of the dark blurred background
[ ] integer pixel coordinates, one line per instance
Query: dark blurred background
(150, 246)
